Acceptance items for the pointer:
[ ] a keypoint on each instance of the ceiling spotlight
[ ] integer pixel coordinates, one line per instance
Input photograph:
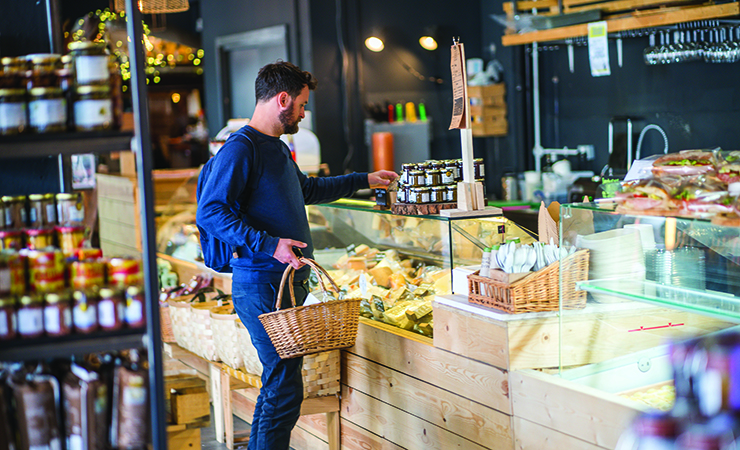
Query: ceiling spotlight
(428, 43)
(374, 44)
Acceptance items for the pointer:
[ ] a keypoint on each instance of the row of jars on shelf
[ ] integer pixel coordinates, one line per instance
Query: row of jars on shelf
(41, 210)
(436, 173)
(47, 93)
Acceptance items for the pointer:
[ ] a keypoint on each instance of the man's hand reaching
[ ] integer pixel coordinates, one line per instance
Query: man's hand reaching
(284, 252)
(381, 178)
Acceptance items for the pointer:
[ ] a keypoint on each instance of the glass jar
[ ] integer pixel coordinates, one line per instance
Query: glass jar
(47, 110)
(111, 309)
(66, 83)
(13, 73)
(417, 178)
(70, 239)
(15, 211)
(70, 210)
(451, 165)
(86, 274)
(459, 164)
(11, 239)
(39, 238)
(91, 62)
(116, 92)
(41, 211)
(414, 195)
(438, 194)
(452, 193)
(425, 194)
(12, 280)
(30, 316)
(433, 177)
(401, 196)
(135, 307)
(12, 111)
(46, 270)
(479, 168)
(84, 310)
(93, 110)
(448, 176)
(43, 71)
(124, 272)
(406, 172)
(7, 318)
(437, 165)
(58, 314)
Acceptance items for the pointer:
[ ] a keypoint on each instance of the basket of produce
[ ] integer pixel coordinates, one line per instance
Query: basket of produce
(519, 292)
(224, 325)
(304, 330)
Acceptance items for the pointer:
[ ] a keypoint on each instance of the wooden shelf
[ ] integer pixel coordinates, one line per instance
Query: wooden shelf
(53, 144)
(636, 21)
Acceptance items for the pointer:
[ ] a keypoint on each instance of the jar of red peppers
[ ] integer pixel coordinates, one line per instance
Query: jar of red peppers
(111, 309)
(45, 270)
(85, 310)
(30, 316)
(135, 307)
(7, 318)
(58, 314)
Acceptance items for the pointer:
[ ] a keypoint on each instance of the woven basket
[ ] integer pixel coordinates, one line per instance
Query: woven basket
(166, 323)
(200, 322)
(224, 324)
(304, 330)
(247, 351)
(179, 308)
(539, 291)
(321, 373)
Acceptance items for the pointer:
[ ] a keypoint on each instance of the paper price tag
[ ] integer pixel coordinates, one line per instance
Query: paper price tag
(598, 49)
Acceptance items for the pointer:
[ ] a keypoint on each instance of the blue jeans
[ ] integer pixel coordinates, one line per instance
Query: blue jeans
(279, 402)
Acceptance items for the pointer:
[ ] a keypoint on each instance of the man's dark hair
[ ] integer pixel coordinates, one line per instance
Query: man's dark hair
(281, 76)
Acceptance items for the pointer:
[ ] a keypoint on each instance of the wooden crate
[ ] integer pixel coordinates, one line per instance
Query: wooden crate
(179, 437)
(187, 400)
(488, 110)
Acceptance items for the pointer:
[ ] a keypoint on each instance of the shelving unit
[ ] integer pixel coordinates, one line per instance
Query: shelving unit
(64, 144)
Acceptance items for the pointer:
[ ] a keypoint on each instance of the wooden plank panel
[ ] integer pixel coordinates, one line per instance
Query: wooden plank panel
(357, 438)
(628, 23)
(117, 211)
(119, 233)
(444, 409)
(471, 335)
(115, 249)
(399, 427)
(531, 436)
(473, 380)
(579, 411)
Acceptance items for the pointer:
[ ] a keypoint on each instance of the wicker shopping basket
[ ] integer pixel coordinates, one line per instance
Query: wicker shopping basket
(200, 321)
(538, 291)
(224, 324)
(303, 330)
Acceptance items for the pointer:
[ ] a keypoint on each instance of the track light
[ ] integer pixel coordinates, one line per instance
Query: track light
(428, 43)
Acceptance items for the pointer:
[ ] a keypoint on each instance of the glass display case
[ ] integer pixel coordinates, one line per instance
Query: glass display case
(652, 281)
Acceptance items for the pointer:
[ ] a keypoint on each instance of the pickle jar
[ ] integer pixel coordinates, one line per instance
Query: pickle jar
(43, 71)
(111, 309)
(39, 238)
(90, 62)
(135, 307)
(70, 210)
(85, 310)
(70, 238)
(15, 211)
(41, 211)
(93, 110)
(47, 110)
(30, 316)
(13, 73)
(58, 314)
(452, 193)
(11, 239)
(7, 318)
(438, 194)
(12, 111)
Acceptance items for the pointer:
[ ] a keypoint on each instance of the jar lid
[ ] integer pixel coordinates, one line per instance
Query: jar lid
(12, 61)
(106, 292)
(38, 231)
(7, 301)
(53, 298)
(132, 291)
(26, 300)
(44, 58)
(36, 197)
(66, 196)
(84, 45)
(9, 92)
(12, 199)
(439, 188)
(70, 228)
(66, 59)
(45, 91)
(48, 196)
(84, 90)
(84, 295)
(9, 233)
(478, 160)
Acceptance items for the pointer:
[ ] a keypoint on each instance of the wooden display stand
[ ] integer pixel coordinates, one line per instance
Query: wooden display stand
(412, 209)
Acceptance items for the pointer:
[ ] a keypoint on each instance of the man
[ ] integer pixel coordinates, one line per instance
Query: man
(254, 200)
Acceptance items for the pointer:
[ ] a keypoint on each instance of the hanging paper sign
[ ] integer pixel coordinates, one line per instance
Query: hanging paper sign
(458, 87)
(598, 49)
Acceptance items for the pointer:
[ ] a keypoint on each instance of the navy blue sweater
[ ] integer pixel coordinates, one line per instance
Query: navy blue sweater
(255, 196)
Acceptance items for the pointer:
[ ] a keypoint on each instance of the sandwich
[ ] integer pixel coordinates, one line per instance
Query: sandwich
(646, 194)
(685, 162)
(699, 197)
(728, 167)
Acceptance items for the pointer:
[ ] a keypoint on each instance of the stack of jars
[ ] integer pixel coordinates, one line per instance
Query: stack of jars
(50, 93)
(44, 294)
(38, 221)
(434, 181)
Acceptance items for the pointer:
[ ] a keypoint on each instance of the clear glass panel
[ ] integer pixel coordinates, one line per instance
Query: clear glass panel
(649, 281)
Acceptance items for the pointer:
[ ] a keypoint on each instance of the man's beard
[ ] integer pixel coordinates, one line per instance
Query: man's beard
(285, 120)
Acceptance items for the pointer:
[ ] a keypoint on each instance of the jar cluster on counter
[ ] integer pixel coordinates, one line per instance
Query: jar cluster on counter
(52, 93)
(43, 293)
(97, 402)
(38, 221)
(434, 181)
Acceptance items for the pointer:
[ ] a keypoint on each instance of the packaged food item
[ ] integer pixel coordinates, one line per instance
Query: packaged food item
(124, 272)
(39, 238)
(87, 274)
(84, 311)
(8, 324)
(130, 407)
(11, 239)
(71, 238)
(12, 273)
(43, 73)
(91, 62)
(135, 316)
(85, 408)
(46, 271)
(30, 316)
(13, 73)
(37, 403)
(111, 309)
(58, 314)
(15, 211)
(41, 211)
(93, 108)
(70, 209)
(47, 110)
(13, 110)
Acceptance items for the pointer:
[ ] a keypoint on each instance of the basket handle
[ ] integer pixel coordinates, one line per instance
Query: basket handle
(290, 272)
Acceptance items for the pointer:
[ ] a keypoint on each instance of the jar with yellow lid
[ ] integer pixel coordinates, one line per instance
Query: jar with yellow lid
(41, 211)
(13, 73)
(47, 110)
(93, 110)
(111, 309)
(43, 71)
(15, 211)
(7, 318)
(70, 209)
(135, 316)
(12, 111)
(85, 310)
(58, 314)
(91, 62)
(30, 316)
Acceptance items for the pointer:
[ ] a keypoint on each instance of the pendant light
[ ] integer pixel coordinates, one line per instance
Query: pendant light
(156, 6)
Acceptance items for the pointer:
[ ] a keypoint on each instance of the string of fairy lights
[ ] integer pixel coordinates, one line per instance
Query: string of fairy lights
(101, 25)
